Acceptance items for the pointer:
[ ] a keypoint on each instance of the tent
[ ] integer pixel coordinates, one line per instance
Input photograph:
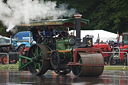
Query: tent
(103, 35)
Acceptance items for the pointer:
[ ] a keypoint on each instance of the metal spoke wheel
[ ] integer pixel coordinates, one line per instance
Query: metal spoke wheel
(59, 67)
(92, 65)
(39, 64)
(55, 60)
(113, 61)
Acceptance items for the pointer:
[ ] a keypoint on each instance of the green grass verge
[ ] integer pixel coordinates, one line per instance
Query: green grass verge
(9, 66)
(106, 67)
(116, 68)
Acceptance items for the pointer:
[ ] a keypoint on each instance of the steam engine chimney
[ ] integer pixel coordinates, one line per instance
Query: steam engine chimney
(78, 28)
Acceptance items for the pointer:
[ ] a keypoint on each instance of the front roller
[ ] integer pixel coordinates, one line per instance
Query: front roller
(39, 64)
(88, 64)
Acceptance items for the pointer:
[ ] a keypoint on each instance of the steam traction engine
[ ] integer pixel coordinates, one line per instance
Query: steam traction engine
(62, 52)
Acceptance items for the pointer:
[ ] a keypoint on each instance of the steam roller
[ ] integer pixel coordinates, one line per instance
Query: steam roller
(88, 64)
(87, 61)
(64, 54)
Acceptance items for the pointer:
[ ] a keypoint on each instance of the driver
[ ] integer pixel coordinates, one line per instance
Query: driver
(36, 32)
(48, 32)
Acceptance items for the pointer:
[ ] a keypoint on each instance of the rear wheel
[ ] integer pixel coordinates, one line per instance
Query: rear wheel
(55, 60)
(113, 61)
(40, 65)
(106, 59)
(4, 59)
(59, 67)
(115, 58)
(126, 62)
(21, 49)
(125, 59)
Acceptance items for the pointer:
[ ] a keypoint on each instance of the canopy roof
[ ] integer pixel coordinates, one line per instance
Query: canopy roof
(57, 22)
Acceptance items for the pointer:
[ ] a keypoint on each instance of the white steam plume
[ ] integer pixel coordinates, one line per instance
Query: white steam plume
(23, 11)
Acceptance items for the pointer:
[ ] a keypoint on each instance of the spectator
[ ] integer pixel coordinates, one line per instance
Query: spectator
(101, 42)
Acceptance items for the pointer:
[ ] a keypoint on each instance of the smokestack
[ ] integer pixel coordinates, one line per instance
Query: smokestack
(78, 28)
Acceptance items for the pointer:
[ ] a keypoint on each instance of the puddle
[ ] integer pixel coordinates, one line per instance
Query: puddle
(14, 77)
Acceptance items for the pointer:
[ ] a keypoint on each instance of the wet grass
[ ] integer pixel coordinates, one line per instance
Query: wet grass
(9, 66)
(108, 67)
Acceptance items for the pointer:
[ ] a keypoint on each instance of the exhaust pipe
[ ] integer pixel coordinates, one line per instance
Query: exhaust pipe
(78, 28)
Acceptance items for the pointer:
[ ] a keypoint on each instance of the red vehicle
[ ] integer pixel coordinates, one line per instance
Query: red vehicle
(104, 48)
(119, 55)
(8, 54)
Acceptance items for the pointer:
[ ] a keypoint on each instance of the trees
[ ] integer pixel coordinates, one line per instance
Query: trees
(110, 15)
(2, 29)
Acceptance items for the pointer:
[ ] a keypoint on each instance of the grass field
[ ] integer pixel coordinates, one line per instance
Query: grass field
(9, 66)
(106, 67)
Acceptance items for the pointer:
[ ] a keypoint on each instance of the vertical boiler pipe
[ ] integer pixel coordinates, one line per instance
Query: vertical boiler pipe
(78, 28)
(78, 33)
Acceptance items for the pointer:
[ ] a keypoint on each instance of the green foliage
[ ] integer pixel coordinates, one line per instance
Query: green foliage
(110, 15)
(2, 29)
